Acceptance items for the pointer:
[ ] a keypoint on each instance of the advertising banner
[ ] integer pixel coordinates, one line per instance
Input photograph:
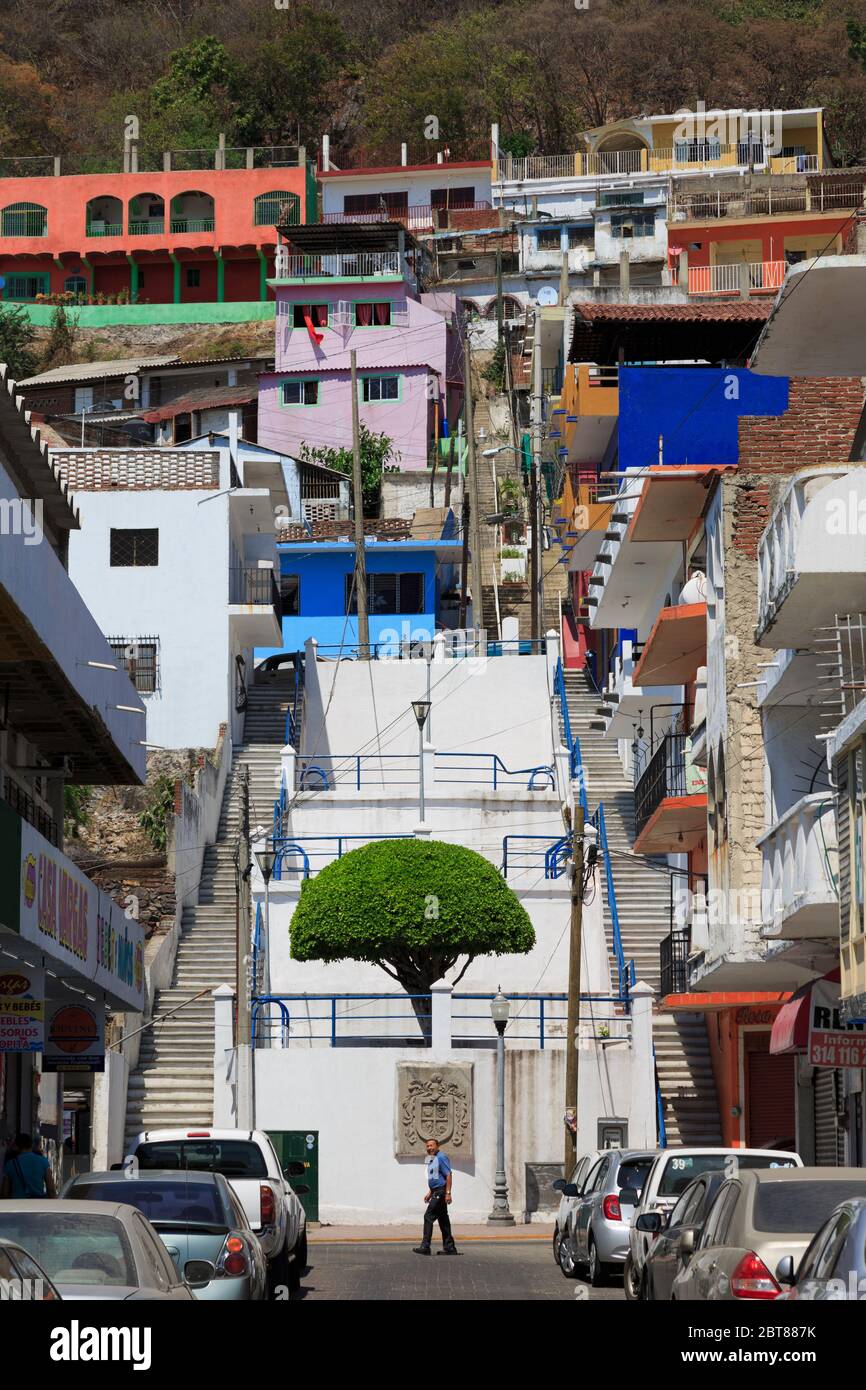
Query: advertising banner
(74, 1037)
(22, 1009)
(831, 1044)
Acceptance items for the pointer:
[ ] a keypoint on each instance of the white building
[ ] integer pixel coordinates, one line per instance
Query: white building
(177, 557)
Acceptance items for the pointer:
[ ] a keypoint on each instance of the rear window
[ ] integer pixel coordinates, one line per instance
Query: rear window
(73, 1249)
(793, 1207)
(180, 1203)
(633, 1173)
(679, 1172)
(234, 1158)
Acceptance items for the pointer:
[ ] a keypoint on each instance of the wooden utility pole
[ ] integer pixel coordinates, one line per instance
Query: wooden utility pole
(471, 485)
(536, 413)
(358, 495)
(464, 562)
(574, 955)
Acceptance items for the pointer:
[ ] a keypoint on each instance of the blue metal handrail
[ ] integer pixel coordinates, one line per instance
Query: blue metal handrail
(285, 1018)
(498, 770)
(572, 742)
(333, 1018)
(625, 970)
(257, 946)
(285, 846)
(552, 866)
(660, 1109)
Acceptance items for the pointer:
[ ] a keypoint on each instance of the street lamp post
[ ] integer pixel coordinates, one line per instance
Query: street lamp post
(500, 1009)
(421, 710)
(265, 858)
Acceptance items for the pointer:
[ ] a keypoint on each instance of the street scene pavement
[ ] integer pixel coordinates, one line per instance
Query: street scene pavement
(486, 1269)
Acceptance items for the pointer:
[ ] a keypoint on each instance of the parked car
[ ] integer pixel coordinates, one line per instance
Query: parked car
(99, 1250)
(671, 1174)
(833, 1268)
(19, 1269)
(759, 1225)
(598, 1239)
(197, 1217)
(569, 1192)
(665, 1254)
(248, 1159)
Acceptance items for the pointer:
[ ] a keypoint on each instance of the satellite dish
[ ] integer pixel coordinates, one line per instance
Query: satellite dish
(547, 295)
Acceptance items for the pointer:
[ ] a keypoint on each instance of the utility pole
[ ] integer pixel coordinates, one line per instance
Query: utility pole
(464, 559)
(358, 495)
(574, 955)
(472, 486)
(500, 308)
(534, 500)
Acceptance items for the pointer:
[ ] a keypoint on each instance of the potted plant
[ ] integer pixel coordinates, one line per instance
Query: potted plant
(509, 495)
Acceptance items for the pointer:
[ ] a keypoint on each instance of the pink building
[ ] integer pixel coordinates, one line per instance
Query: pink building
(357, 288)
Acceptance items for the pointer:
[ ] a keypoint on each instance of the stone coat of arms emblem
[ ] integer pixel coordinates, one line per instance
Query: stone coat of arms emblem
(434, 1103)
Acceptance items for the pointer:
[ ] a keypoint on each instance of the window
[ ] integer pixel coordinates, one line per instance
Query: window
(24, 219)
(799, 1205)
(380, 388)
(632, 224)
(388, 593)
(580, 236)
(452, 197)
(96, 1246)
(278, 206)
(548, 239)
(290, 593)
(138, 658)
(304, 392)
(382, 203)
(376, 315)
(83, 399)
(193, 278)
(697, 151)
(234, 1158)
(136, 548)
(26, 286)
(316, 313)
(75, 284)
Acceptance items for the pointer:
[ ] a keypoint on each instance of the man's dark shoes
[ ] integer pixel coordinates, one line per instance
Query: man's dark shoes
(452, 1251)
(421, 1250)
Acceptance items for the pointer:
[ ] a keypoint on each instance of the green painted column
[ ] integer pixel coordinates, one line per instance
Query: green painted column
(263, 274)
(133, 278)
(176, 263)
(91, 275)
(221, 278)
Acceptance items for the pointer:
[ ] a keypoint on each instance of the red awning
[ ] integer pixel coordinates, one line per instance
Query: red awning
(791, 1028)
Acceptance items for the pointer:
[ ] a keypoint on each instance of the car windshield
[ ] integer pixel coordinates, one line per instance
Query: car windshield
(680, 1171)
(234, 1158)
(632, 1173)
(166, 1200)
(73, 1249)
(789, 1207)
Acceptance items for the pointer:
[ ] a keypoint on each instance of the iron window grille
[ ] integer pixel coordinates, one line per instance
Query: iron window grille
(139, 658)
(388, 593)
(135, 548)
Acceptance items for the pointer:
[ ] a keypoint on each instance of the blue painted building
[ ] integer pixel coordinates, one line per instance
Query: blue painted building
(695, 409)
(409, 585)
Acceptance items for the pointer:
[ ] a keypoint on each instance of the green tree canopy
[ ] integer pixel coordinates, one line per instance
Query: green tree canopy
(412, 907)
(377, 454)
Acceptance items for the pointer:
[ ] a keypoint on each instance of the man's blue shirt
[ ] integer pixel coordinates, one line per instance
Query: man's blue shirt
(438, 1169)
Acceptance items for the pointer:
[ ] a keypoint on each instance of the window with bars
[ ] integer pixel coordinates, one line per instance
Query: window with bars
(131, 547)
(139, 658)
(388, 593)
(624, 225)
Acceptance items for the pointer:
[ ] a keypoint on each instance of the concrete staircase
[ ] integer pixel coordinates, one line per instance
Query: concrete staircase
(173, 1082)
(686, 1081)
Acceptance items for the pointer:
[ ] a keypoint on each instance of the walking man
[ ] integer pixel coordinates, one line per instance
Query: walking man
(438, 1200)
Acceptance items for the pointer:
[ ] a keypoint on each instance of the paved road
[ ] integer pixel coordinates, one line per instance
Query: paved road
(486, 1270)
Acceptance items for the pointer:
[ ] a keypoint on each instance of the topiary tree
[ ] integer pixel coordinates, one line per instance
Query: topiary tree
(412, 907)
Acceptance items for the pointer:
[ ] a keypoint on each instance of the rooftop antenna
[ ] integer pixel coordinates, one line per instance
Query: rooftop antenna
(661, 450)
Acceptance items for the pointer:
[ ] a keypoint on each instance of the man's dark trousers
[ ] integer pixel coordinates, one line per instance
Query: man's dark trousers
(437, 1210)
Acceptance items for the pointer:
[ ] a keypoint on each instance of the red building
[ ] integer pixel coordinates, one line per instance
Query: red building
(178, 236)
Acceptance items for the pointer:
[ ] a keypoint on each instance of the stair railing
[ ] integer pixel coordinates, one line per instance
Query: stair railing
(625, 969)
(660, 1109)
(572, 742)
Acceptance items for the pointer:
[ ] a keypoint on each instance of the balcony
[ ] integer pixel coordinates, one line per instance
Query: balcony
(255, 604)
(28, 809)
(425, 217)
(811, 558)
(364, 265)
(740, 277)
(799, 887)
(148, 226)
(675, 648)
(182, 225)
(580, 521)
(714, 205)
(674, 963)
(670, 800)
(628, 701)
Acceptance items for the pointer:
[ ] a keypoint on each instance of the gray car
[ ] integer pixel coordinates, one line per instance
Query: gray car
(99, 1250)
(598, 1237)
(833, 1269)
(197, 1217)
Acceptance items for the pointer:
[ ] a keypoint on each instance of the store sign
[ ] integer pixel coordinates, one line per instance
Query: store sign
(74, 1037)
(831, 1042)
(62, 912)
(22, 1009)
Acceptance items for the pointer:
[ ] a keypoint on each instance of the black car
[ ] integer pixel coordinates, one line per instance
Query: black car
(667, 1253)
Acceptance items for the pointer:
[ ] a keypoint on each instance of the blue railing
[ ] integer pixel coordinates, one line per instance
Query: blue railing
(330, 1024)
(257, 948)
(525, 853)
(572, 742)
(660, 1110)
(280, 807)
(545, 1020)
(625, 970)
(489, 770)
(320, 847)
(401, 770)
(263, 1032)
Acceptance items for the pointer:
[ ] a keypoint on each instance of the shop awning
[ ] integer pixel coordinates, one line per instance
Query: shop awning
(791, 1028)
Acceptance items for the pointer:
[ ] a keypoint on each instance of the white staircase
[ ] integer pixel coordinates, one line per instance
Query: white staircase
(173, 1082)
(686, 1081)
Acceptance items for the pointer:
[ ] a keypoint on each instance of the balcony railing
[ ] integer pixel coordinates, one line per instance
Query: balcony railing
(665, 775)
(765, 202)
(147, 226)
(779, 543)
(799, 886)
(104, 228)
(256, 587)
(674, 963)
(192, 224)
(28, 809)
(364, 265)
(417, 217)
(739, 277)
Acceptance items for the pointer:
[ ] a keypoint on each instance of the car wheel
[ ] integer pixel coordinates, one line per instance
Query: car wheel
(301, 1255)
(630, 1281)
(557, 1241)
(283, 1273)
(597, 1273)
(567, 1262)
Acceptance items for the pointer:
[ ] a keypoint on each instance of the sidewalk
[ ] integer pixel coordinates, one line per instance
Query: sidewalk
(395, 1234)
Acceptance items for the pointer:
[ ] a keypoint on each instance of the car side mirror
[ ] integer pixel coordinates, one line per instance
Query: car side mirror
(570, 1189)
(649, 1221)
(558, 1184)
(198, 1273)
(629, 1195)
(785, 1273)
(295, 1169)
(687, 1241)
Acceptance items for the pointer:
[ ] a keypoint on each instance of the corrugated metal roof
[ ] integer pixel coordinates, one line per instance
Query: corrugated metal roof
(92, 371)
(205, 398)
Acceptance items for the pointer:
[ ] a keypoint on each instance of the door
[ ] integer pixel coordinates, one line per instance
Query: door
(301, 1146)
(585, 1207)
(770, 1095)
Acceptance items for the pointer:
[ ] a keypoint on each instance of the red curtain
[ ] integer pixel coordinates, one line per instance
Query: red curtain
(363, 315)
(383, 312)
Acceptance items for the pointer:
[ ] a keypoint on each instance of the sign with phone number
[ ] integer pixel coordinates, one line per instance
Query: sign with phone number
(831, 1044)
